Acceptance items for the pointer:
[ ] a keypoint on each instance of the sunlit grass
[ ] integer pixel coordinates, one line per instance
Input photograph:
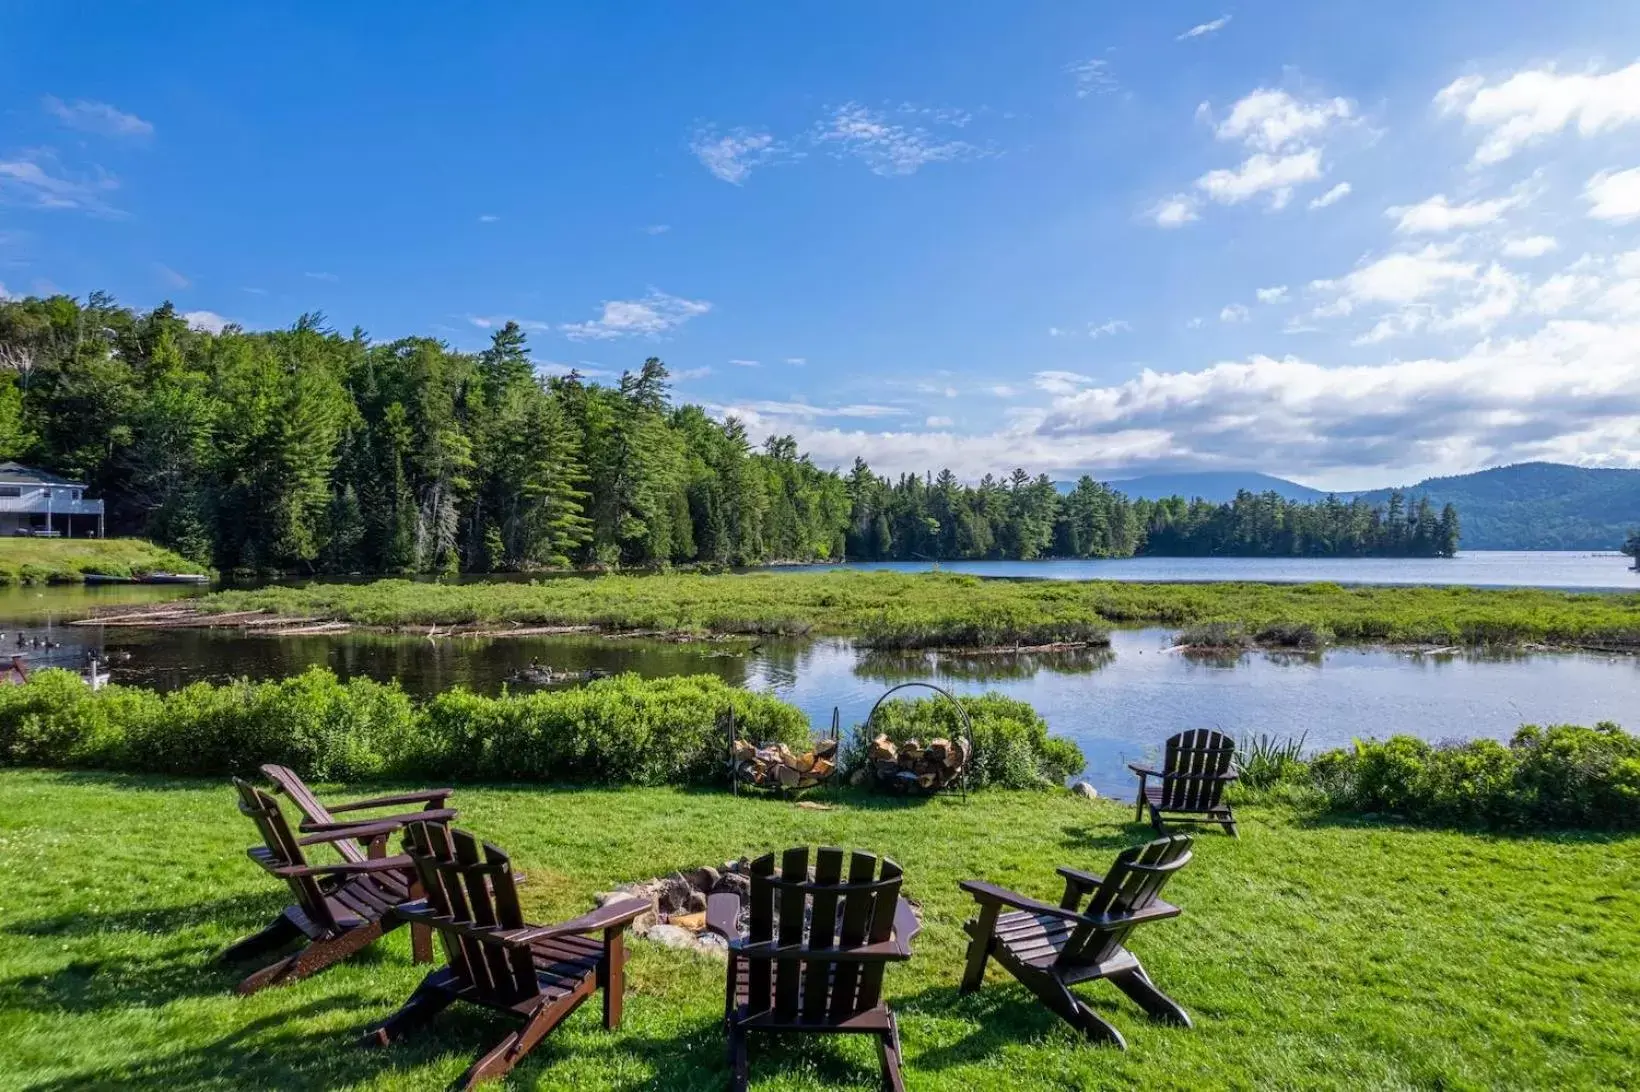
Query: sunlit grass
(63, 560)
(1309, 955)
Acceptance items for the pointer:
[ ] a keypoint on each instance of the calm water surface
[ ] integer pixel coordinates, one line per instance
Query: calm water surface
(1479, 568)
(1119, 705)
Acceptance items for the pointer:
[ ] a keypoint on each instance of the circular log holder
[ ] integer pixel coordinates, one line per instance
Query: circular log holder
(738, 779)
(960, 780)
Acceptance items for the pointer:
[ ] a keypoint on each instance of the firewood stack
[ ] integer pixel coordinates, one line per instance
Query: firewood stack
(913, 767)
(776, 766)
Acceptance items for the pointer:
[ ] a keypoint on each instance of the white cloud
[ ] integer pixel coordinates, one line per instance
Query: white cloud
(683, 375)
(1437, 215)
(488, 218)
(1563, 291)
(1614, 195)
(1058, 382)
(1537, 103)
(1174, 211)
(1496, 295)
(1109, 327)
(33, 179)
(1271, 120)
(1235, 312)
(746, 363)
(1202, 30)
(1332, 196)
(1530, 246)
(886, 147)
(1092, 78)
(255, 291)
(329, 278)
(97, 117)
(657, 229)
(650, 317)
(494, 322)
(797, 361)
(209, 321)
(1400, 278)
(1278, 294)
(759, 412)
(170, 277)
(1193, 323)
(1002, 390)
(939, 422)
(1261, 173)
(731, 156)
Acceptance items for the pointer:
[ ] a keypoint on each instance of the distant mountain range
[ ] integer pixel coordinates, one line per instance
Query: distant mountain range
(1528, 506)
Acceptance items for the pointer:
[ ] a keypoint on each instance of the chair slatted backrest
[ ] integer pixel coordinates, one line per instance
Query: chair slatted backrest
(812, 918)
(1134, 883)
(288, 782)
(471, 884)
(1194, 763)
(283, 850)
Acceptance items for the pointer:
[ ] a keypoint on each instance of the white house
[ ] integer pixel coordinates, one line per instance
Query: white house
(33, 502)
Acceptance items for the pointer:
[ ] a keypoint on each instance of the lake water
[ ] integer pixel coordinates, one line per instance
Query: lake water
(1118, 704)
(1478, 568)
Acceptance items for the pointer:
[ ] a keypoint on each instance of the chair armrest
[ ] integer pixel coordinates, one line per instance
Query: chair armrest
(1143, 771)
(427, 815)
(987, 892)
(723, 914)
(344, 868)
(361, 831)
(609, 916)
(1077, 884)
(1200, 777)
(431, 796)
(906, 926)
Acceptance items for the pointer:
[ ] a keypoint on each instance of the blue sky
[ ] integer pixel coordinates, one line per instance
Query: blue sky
(1350, 243)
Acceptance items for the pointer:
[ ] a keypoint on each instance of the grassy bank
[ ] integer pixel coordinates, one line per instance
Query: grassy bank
(1347, 955)
(67, 561)
(929, 609)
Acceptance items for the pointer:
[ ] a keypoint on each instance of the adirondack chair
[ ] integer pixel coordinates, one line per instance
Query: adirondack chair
(316, 817)
(823, 977)
(339, 909)
(1051, 948)
(1194, 772)
(539, 973)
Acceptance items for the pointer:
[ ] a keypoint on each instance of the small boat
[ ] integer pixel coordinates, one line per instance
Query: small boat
(104, 578)
(174, 578)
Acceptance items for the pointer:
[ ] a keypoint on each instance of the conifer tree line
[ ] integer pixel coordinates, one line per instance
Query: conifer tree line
(306, 450)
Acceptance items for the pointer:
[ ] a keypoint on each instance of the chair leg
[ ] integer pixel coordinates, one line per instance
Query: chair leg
(1156, 820)
(427, 1002)
(421, 943)
(888, 1055)
(1139, 803)
(612, 977)
(311, 959)
(740, 1076)
(279, 933)
(1137, 985)
(979, 947)
(1068, 1007)
(1228, 822)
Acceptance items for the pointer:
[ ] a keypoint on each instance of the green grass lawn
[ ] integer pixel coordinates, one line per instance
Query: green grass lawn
(1310, 954)
(908, 609)
(66, 561)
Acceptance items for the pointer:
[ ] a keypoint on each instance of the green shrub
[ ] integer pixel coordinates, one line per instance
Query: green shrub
(1264, 761)
(624, 729)
(1561, 776)
(1012, 747)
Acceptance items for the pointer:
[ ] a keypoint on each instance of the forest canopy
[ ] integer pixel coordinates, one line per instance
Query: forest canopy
(304, 449)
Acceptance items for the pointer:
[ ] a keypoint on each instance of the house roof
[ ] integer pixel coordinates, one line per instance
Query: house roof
(18, 474)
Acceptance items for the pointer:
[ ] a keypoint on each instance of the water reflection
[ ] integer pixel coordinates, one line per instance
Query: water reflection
(890, 666)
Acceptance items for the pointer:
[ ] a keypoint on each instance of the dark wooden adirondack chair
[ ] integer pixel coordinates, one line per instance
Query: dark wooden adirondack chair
(340, 908)
(317, 818)
(822, 975)
(1191, 782)
(539, 973)
(1051, 948)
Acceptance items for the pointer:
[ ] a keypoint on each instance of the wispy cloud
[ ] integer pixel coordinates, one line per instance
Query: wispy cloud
(488, 218)
(938, 422)
(1202, 30)
(1436, 215)
(797, 361)
(652, 316)
(493, 322)
(1175, 211)
(1529, 246)
(1092, 77)
(1532, 105)
(886, 147)
(657, 229)
(732, 156)
(329, 277)
(35, 179)
(746, 363)
(1332, 196)
(806, 411)
(170, 277)
(96, 117)
(1277, 294)
(255, 291)
(684, 375)
(1614, 195)
(1235, 312)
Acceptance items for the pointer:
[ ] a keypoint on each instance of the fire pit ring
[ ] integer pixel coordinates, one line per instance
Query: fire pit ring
(946, 769)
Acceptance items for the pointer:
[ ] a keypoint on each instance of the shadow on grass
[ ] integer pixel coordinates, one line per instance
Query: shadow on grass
(241, 914)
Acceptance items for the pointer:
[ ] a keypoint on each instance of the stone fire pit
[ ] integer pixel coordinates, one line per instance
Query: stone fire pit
(677, 914)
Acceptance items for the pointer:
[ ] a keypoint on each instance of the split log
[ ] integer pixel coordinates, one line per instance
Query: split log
(775, 765)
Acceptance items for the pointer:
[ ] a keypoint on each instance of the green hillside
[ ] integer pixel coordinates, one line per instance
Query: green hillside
(1537, 506)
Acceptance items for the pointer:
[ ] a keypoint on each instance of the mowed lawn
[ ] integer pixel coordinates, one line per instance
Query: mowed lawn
(1310, 954)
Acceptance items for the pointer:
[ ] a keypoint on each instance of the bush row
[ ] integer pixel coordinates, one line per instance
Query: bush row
(625, 729)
